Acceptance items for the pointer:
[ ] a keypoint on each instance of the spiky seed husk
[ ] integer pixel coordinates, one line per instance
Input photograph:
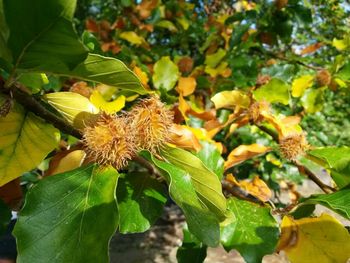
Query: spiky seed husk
(293, 146)
(255, 110)
(151, 122)
(109, 141)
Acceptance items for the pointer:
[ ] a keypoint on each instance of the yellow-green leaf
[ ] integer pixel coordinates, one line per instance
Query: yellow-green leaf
(229, 99)
(166, 74)
(340, 44)
(74, 107)
(321, 240)
(109, 107)
(213, 60)
(300, 84)
(132, 37)
(25, 140)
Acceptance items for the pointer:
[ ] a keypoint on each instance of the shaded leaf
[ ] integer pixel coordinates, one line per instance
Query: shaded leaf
(322, 240)
(191, 249)
(141, 199)
(275, 91)
(41, 40)
(25, 140)
(5, 217)
(166, 74)
(64, 215)
(313, 100)
(251, 230)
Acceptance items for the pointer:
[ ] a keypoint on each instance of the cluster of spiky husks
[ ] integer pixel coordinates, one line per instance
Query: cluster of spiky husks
(256, 109)
(152, 122)
(293, 146)
(108, 141)
(114, 140)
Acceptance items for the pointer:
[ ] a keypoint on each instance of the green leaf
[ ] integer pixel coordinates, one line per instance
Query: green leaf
(205, 182)
(313, 100)
(191, 249)
(202, 222)
(251, 230)
(214, 59)
(338, 201)
(211, 158)
(25, 140)
(338, 161)
(33, 81)
(105, 70)
(166, 74)
(69, 217)
(275, 91)
(141, 199)
(42, 36)
(5, 217)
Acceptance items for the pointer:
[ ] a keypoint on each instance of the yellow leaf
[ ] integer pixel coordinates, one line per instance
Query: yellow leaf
(25, 140)
(183, 137)
(75, 108)
(340, 44)
(340, 82)
(229, 99)
(108, 107)
(255, 187)
(300, 84)
(132, 37)
(321, 240)
(243, 153)
(186, 86)
(142, 75)
(66, 161)
(222, 70)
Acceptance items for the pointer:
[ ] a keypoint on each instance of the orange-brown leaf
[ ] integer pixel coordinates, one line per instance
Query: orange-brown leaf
(184, 138)
(245, 152)
(186, 86)
(312, 48)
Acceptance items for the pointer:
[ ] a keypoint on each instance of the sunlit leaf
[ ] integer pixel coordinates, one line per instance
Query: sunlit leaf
(322, 240)
(275, 91)
(186, 86)
(109, 107)
(65, 161)
(25, 140)
(213, 60)
(251, 229)
(243, 153)
(75, 108)
(230, 99)
(166, 74)
(300, 84)
(183, 137)
(313, 100)
(65, 214)
(132, 37)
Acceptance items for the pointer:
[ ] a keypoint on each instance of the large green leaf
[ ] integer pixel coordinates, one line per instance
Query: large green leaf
(69, 217)
(140, 201)
(337, 159)
(25, 140)
(105, 70)
(202, 222)
(191, 249)
(211, 157)
(205, 182)
(42, 36)
(251, 230)
(313, 100)
(338, 202)
(166, 74)
(275, 91)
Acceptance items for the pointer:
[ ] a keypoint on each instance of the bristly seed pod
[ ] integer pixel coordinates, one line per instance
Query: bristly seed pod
(109, 141)
(293, 146)
(323, 78)
(151, 122)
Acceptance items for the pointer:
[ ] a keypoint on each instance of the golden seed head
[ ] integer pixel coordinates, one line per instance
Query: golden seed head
(151, 122)
(108, 141)
(293, 146)
(255, 110)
